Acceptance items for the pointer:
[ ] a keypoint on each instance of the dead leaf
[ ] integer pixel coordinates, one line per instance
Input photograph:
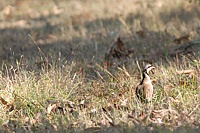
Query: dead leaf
(56, 11)
(182, 83)
(82, 102)
(134, 119)
(51, 108)
(183, 49)
(9, 107)
(122, 105)
(167, 87)
(7, 11)
(130, 51)
(108, 119)
(22, 3)
(6, 128)
(49, 38)
(117, 49)
(4, 102)
(78, 19)
(142, 115)
(117, 53)
(136, 113)
(9, 126)
(188, 71)
(33, 121)
(174, 100)
(43, 64)
(140, 33)
(108, 108)
(55, 127)
(124, 102)
(57, 106)
(182, 39)
(107, 64)
(156, 116)
(93, 111)
(71, 104)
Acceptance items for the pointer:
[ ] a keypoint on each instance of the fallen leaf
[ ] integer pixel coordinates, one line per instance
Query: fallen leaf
(107, 64)
(123, 104)
(167, 88)
(188, 71)
(82, 102)
(9, 107)
(93, 111)
(6, 128)
(156, 116)
(182, 83)
(4, 102)
(174, 100)
(71, 104)
(108, 118)
(51, 108)
(7, 11)
(43, 65)
(117, 53)
(134, 120)
(56, 10)
(182, 39)
(131, 50)
(140, 33)
(117, 49)
(55, 127)
(108, 108)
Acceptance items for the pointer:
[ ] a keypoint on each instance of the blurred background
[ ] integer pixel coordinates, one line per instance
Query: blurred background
(81, 30)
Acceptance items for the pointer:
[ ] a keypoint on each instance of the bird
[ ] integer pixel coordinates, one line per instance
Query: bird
(144, 91)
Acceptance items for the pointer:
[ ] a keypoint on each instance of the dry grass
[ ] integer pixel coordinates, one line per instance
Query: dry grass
(54, 78)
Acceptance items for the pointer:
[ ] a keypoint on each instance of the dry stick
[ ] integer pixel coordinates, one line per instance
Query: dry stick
(21, 97)
(108, 118)
(124, 70)
(139, 68)
(193, 110)
(99, 75)
(19, 63)
(125, 24)
(185, 47)
(106, 71)
(39, 49)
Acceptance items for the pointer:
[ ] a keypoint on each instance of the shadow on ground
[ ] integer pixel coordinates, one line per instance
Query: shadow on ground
(48, 127)
(153, 41)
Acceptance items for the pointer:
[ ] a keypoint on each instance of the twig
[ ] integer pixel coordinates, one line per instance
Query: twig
(185, 47)
(39, 49)
(124, 70)
(139, 67)
(99, 75)
(106, 71)
(108, 118)
(193, 110)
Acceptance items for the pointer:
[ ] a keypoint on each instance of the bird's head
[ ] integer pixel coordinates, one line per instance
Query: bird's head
(149, 68)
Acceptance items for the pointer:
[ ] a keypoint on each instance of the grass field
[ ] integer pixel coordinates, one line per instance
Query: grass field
(58, 73)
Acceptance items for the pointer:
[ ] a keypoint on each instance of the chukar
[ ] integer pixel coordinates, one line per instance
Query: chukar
(144, 90)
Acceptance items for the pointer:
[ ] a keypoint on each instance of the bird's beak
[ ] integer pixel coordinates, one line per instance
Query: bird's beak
(152, 70)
